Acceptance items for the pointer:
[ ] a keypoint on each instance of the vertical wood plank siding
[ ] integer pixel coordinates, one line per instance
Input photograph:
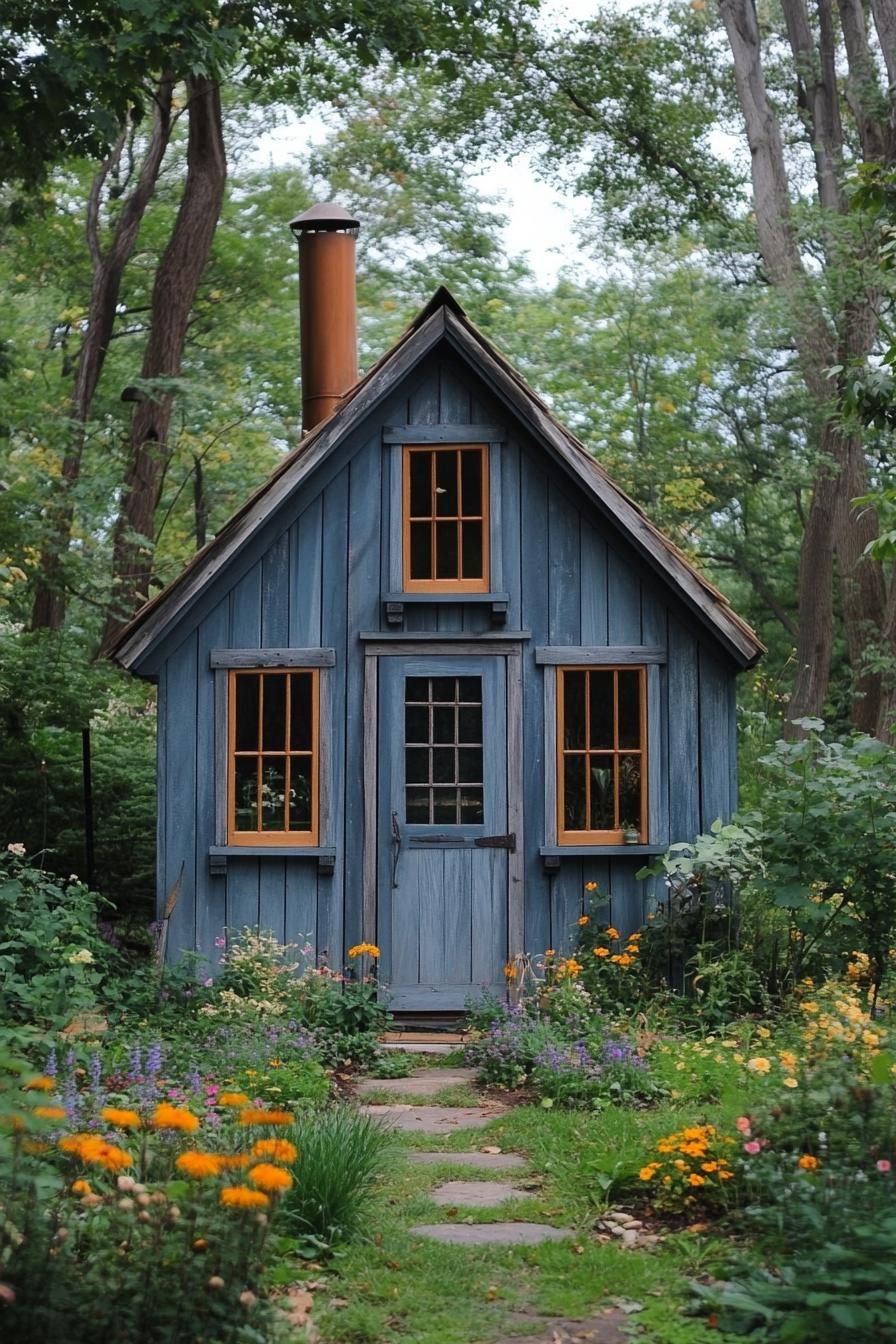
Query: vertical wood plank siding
(316, 578)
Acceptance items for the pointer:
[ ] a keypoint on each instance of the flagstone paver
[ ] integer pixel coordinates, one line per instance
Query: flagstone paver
(476, 1194)
(421, 1083)
(484, 1234)
(611, 1327)
(434, 1119)
(486, 1161)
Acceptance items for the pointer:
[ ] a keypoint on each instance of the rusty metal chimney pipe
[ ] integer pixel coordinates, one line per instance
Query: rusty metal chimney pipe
(327, 308)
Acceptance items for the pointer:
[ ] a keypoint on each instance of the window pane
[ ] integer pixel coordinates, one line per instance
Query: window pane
(601, 696)
(446, 551)
(444, 689)
(300, 733)
(471, 535)
(443, 723)
(416, 723)
(421, 554)
(470, 689)
(416, 765)
(603, 806)
(245, 811)
(630, 791)
(472, 811)
(471, 481)
(416, 689)
(444, 807)
(421, 486)
(446, 485)
(443, 765)
(417, 806)
(247, 712)
(469, 765)
(574, 709)
(469, 723)
(300, 793)
(273, 793)
(574, 793)
(273, 726)
(629, 709)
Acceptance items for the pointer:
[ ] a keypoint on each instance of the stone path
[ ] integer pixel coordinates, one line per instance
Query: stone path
(420, 1083)
(489, 1234)
(476, 1194)
(434, 1119)
(486, 1161)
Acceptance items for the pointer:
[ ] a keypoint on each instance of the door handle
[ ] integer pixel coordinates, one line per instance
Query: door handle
(396, 849)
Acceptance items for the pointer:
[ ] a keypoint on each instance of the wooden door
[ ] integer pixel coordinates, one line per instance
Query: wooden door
(442, 871)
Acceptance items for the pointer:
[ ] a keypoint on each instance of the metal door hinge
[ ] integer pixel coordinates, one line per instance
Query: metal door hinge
(497, 842)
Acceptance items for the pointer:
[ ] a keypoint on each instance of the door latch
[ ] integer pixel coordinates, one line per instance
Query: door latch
(396, 849)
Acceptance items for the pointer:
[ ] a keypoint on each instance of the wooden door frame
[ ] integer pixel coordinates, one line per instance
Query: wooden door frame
(410, 648)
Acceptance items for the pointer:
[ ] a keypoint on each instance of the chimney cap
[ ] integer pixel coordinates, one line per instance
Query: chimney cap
(325, 218)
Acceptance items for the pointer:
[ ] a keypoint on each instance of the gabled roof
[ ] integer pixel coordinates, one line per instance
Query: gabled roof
(442, 320)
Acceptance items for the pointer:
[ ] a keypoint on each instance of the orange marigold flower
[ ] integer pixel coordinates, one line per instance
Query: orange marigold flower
(591, 886)
(255, 1116)
(234, 1162)
(583, 920)
(50, 1112)
(360, 948)
(279, 1150)
(199, 1165)
(694, 1179)
(808, 1162)
(123, 1118)
(81, 1188)
(232, 1099)
(241, 1197)
(709, 1166)
(612, 933)
(71, 1143)
(601, 952)
(648, 1173)
(509, 971)
(103, 1154)
(268, 1177)
(174, 1117)
(40, 1084)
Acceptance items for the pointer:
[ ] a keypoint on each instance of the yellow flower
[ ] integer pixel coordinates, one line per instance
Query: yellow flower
(647, 1173)
(791, 1082)
(624, 960)
(570, 967)
(808, 1162)
(709, 1166)
(199, 1165)
(591, 886)
(50, 1112)
(174, 1117)
(241, 1197)
(252, 1116)
(788, 1059)
(601, 952)
(279, 1150)
(124, 1119)
(694, 1179)
(763, 1032)
(509, 971)
(583, 920)
(40, 1084)
(268, 1177)
(758, 1064)
(232, 1099)
(360, 948)
(612, 933)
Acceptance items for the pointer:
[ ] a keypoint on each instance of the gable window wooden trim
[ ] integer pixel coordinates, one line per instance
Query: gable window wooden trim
(560, 842)
(445, 518)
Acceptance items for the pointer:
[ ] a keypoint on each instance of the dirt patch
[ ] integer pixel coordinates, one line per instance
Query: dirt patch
(612, 1326)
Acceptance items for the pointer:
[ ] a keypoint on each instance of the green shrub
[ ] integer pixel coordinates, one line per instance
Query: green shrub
(341, 1155)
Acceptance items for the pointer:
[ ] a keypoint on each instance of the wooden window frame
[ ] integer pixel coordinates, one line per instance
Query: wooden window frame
(261, 839)
(606, 837)
(459, 585)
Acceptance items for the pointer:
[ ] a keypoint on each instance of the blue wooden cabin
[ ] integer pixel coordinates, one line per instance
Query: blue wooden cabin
(436, 675)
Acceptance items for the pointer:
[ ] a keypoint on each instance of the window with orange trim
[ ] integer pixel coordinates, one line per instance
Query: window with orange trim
(273, 756)
(601, 754)
(445, 518)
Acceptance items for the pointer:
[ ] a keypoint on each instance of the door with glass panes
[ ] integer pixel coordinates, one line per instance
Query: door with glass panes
(442, 858)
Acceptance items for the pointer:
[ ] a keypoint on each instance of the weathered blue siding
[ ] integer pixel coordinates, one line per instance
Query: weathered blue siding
(317, 577)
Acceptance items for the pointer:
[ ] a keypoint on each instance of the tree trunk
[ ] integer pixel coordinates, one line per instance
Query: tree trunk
(174, 292)
(48, 611)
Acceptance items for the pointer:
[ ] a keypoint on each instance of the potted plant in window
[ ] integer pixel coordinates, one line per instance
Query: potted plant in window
(631, 833)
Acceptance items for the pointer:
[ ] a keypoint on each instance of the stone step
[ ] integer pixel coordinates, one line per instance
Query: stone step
(485, 1234)
(483, 1161)
(419, 1047)
(434, 1119)
(476, 1194)
(421, 1083)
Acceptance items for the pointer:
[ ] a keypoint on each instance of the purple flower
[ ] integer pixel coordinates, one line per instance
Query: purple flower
(154, 1059)
(52, 1065)
(136, 1061)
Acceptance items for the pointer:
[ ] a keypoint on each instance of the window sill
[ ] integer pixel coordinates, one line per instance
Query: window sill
(219, 854)
(552, 854)
(395, 603)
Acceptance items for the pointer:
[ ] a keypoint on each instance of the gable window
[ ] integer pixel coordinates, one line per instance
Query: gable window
(601, 754)
(273, 756)
(445, 519)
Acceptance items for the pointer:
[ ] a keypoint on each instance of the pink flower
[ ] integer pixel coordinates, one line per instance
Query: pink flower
(883, 1165)
(752, 1147)
(208, 983)
(742, 1124)
(220, 942)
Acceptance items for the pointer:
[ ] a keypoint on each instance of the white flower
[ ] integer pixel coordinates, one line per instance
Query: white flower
(17, 849)
(82, 958)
